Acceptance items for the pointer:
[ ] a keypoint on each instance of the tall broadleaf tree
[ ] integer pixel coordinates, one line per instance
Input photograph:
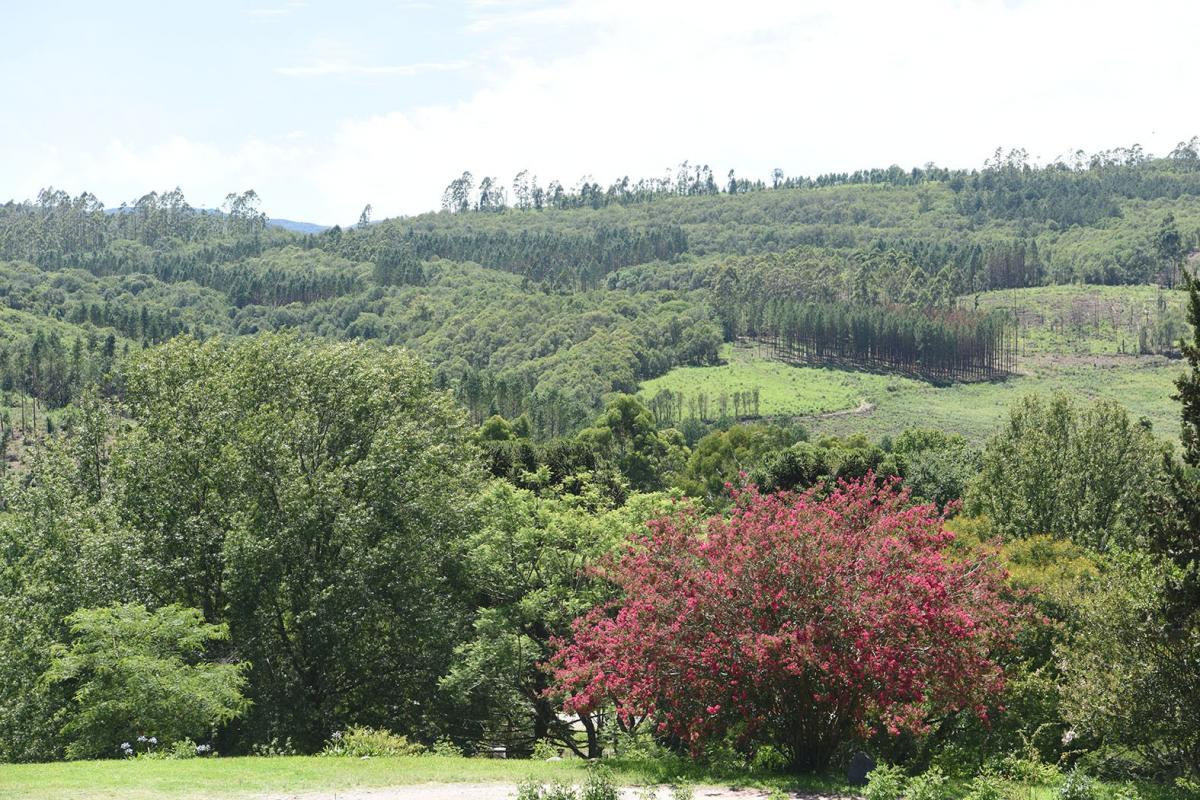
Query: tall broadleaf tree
(1188, 384)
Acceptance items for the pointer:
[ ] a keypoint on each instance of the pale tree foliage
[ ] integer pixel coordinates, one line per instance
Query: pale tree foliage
(137, 672)
(1090, 474)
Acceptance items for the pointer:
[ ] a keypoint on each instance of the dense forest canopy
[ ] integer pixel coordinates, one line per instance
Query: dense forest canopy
(546, 301)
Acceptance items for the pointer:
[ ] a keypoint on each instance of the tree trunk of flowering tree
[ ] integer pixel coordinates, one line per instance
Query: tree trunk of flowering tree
(594, 748)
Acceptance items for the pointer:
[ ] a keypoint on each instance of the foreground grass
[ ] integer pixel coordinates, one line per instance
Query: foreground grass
(255, 777)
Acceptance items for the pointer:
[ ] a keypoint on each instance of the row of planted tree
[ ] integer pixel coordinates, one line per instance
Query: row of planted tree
(672, 407)
(933, 344)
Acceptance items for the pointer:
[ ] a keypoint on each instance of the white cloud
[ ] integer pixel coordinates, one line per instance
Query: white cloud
(122, 172)
(810, 87)
(341, 67)
(634, 86)
(276, 11)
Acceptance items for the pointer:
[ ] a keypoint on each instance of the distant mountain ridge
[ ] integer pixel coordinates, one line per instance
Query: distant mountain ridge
(298, 227)
(286, 224)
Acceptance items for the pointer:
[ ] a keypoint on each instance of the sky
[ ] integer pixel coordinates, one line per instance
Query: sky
(324, 107)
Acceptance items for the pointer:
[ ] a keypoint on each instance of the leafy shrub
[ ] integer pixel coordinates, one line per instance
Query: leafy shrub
(1127, 791)
(1028, 768)
(1188, 787)
(987, 786)
(767, 758)
(529, 789)
(641, 746)
(135, 669)
(447, 748)
(885, 782)
(559, 790)
(181, 749)
(544, 750)
(598, 785)
(681, 790)
(1077, 786)
(358, 741)
(931, 785)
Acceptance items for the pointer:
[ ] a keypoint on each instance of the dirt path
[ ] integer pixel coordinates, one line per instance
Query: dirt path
(502, 791)
(864, 407)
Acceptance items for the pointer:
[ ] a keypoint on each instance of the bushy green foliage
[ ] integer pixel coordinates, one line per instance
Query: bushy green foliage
(344, 480)
(133, 671)
(988, 786)
(530, 560)
(360, 741)
(599, 785)
(1077, 785)
(445, 747)
(274, 748)
(682, 790)
(937, 466)
(180, 750)
(559, 790)
(722, 457)
(1027, 767)
(1090, 474)
(1132, 668)
(885, 782)
(530, 789)
(929, 785)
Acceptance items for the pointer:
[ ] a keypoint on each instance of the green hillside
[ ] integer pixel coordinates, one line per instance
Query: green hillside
(549, 308)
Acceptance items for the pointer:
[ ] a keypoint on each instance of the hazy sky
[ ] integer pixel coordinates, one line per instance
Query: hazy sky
(323, 107)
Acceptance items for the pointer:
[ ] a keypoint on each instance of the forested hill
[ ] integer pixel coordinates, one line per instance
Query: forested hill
(545, 301)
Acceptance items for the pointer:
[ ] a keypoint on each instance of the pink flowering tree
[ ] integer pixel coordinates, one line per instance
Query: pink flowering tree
(800, 620)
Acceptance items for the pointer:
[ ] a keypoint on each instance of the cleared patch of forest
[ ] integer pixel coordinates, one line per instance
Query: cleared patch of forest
(1076, 339)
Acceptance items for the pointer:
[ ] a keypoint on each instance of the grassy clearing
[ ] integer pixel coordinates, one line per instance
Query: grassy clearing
(1092, 320)
(238, 778)
(783, 390)
(1087, 367)
(1143, 385)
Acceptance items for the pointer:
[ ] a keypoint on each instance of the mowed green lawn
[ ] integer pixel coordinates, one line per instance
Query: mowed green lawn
(258, 777)
(237, 778)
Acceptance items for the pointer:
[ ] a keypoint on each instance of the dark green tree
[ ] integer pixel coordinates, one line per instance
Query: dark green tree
(309, 495)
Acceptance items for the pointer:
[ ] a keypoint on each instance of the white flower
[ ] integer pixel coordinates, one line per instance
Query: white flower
(153, 740)
(141, 738)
